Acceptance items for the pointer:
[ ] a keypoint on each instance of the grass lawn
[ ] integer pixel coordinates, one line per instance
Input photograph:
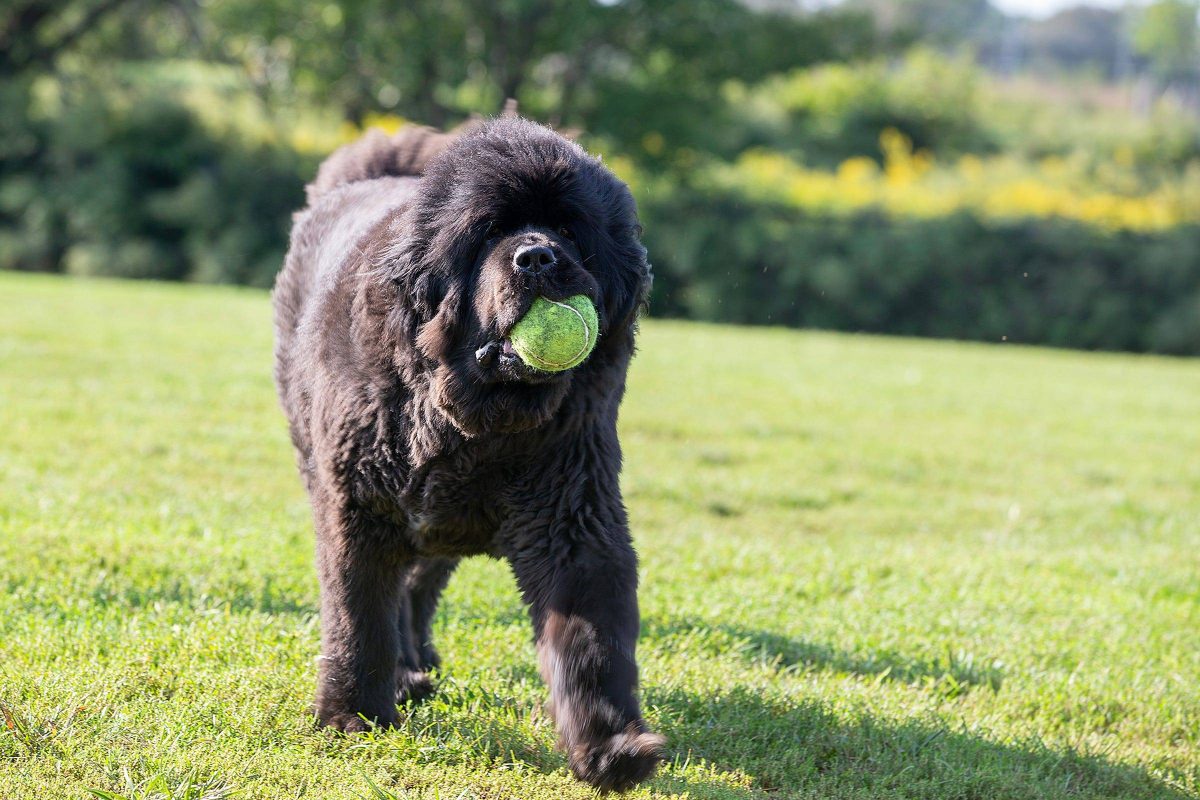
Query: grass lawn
(871, 568)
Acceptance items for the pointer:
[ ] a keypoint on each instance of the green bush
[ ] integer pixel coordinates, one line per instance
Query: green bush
(722, 257)
(1087, 122)
(132, 184)
(826, 114)
(135, 182)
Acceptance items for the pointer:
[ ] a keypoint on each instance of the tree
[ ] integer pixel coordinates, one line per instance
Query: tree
(1077, 38)
(944, 23)
(623, 69)
(34, 32)
(1166, 34)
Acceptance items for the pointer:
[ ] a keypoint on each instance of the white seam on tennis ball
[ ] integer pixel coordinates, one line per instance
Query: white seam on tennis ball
(587, 337)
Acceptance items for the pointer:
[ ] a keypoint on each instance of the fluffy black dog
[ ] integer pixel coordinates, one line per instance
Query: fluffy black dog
(422, 438)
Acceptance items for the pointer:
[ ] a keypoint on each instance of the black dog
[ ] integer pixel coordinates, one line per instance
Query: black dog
(422, 438)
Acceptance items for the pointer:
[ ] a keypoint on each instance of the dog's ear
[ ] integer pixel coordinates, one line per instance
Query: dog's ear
(425, 292)
(428, 308)
(416, 291)
(624, 274)
(435, 337)
(429, 265)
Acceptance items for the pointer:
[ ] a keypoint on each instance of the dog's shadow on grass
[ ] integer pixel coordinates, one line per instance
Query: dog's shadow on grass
(757, 746)
(801, 746)
(949, 675)
(788, 748)
(737, 743)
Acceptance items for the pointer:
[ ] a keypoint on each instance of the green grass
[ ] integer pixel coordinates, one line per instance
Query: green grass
(872, 568)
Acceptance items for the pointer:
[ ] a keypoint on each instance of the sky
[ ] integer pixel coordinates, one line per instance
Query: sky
(1044, 8)
(1028, 8)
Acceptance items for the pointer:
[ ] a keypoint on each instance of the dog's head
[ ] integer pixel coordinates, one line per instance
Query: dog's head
(511, 211)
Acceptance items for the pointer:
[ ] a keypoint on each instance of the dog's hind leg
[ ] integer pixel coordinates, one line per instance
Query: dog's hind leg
(425, 581)
(423, 584)
(412, 680)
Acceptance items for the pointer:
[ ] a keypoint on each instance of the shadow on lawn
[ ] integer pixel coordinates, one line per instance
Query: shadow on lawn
(801, 747)
(780, 748)
(776, 747)
(950, 676)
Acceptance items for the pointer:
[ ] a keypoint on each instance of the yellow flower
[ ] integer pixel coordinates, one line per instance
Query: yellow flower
(1000, 187)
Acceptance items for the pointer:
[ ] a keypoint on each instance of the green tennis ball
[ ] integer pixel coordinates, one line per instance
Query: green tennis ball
(556, 335)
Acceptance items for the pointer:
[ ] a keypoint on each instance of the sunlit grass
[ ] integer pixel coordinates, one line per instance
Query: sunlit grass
(872, 568)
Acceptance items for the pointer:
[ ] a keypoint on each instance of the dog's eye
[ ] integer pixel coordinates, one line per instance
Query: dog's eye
(566, 233)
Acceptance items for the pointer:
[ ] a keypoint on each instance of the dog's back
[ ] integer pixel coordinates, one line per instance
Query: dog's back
(340, 207)
(376, 155)
(355, 189)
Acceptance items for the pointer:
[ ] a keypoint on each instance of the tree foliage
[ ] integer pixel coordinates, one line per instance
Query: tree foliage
(1167, 34)
(171, 140)
(1077, 39)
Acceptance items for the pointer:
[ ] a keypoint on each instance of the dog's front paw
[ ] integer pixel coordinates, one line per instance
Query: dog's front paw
(619, 762)
(352, 722)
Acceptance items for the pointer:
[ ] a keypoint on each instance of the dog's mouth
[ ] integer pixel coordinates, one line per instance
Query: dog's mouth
(500, 359)
(497, 358)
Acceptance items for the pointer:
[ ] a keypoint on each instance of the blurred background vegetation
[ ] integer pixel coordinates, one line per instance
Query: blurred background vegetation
(926, 167)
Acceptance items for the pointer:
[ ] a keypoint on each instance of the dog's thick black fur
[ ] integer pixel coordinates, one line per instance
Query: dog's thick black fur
(422, 438)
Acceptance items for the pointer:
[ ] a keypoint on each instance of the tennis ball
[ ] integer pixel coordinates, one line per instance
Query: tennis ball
(556, 335)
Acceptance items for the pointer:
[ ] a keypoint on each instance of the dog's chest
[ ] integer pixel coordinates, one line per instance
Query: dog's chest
(454, 508)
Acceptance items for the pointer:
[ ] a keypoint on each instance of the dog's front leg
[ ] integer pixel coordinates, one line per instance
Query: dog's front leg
(359, 565)
(582, 594)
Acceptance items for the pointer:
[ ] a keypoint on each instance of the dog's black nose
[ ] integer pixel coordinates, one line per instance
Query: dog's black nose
(533, 258)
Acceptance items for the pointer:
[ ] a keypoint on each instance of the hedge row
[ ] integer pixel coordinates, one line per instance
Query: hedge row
(145, 190)
(1038, 281)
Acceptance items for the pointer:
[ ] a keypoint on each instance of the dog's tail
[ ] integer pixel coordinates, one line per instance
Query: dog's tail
(376, 155)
